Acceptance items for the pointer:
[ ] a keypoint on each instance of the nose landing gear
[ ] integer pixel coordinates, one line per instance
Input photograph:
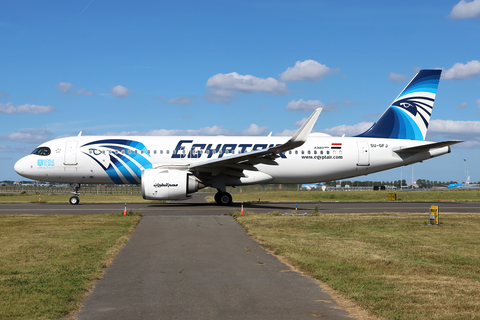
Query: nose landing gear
(74, 199)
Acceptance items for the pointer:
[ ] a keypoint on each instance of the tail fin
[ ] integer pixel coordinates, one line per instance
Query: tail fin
(409, 114)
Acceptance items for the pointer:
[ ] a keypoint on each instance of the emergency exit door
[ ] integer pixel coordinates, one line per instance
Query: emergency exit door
(363, 153)
(70, 152)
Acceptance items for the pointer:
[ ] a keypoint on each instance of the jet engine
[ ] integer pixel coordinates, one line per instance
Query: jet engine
(167, 184)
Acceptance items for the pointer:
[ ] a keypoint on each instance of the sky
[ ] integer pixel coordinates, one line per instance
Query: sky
(249, 67)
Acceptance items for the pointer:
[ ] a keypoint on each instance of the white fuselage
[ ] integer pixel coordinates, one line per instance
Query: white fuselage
(120, 160)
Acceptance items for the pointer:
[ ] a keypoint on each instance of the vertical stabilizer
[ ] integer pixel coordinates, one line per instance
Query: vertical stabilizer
(409, 114)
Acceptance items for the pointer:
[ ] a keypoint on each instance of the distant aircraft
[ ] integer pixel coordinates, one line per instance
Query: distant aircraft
(171, 168)
(312, 186)
(457, 185)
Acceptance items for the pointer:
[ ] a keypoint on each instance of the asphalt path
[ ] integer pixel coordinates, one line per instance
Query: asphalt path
(202, 267)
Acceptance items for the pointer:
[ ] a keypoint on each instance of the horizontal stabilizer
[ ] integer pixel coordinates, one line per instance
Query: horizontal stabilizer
(426, 147)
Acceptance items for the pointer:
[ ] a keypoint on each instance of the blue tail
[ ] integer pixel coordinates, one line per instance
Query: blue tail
(409, 114)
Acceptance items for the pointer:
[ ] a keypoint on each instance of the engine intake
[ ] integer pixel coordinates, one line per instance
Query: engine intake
(167, 184)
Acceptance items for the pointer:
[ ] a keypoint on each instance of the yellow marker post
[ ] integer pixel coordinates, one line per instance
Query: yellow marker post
(392, 197)
(434, 215)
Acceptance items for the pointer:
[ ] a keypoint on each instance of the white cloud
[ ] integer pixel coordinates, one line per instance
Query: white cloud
(84, 92)
(461, 71)
(349, 130)
(219, 95)
(397, 77)
(9, 108)
(220, 87)
(309, 70)
(120, 91)
(461, 106)
(286, 133)
(310, 105)
(160, 97)
(28, 135)
(299, 123)
(184, 99)
(464, 10)
(207, 131)
(454, 127)
(67, 88)
(468, 131)
(15, 149)
(64, 87)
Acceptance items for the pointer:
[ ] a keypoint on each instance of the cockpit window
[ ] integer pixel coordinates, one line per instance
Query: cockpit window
(42, 151)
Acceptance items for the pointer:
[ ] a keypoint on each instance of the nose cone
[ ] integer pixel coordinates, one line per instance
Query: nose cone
(20, 166)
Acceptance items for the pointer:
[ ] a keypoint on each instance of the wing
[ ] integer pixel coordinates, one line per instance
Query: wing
(235, 164)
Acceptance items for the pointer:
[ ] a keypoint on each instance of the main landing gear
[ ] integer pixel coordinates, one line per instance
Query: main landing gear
(223, 198)
(74, 199)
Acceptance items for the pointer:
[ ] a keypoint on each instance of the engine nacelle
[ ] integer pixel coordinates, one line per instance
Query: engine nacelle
(167, 184)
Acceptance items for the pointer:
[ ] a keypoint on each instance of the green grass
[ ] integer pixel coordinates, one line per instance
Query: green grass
(63, 198)
(393, 265)
(356, 196)
(48, 262)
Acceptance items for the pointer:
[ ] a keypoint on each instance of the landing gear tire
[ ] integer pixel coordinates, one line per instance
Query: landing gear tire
(223, 198)
(74, 200)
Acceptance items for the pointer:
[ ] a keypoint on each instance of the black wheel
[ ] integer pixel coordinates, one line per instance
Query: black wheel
(224, 198)
(74, 200)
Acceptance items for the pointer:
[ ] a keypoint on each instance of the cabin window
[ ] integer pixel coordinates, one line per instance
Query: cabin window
(141, 152)
(296, 151)
(129, 151)
(303, 152)
(328, 152)
(314, 151)
(161, 151)
(154, 151)
(308, 151)
(136, 151)
(148, 151)
(168, 151)
(290, 152)
(321, 152)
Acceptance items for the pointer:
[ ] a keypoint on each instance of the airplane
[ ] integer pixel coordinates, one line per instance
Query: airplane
(173, 168)
(312, 186)
(458, 185)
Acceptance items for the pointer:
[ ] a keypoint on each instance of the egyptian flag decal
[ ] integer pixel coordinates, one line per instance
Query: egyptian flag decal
(336, 146)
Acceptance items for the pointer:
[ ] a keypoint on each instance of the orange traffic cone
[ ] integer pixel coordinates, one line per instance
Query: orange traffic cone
(241, 212)
(125, 211)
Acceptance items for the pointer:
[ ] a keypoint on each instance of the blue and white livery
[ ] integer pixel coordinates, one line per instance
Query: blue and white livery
(409, 114)
(171, 168)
